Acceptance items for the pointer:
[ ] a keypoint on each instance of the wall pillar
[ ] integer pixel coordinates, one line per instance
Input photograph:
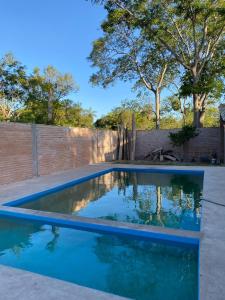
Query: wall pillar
(223, 149)
(34, 150)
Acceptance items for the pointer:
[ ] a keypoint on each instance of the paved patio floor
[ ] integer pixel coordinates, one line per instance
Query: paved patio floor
(212, 246)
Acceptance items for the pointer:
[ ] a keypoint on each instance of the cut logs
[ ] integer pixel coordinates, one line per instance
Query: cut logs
(161, 155)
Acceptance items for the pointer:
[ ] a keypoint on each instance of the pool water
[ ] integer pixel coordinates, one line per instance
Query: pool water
(134, 268)
(167, 200)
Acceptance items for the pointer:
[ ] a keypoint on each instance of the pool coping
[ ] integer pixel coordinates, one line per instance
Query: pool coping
(212, 177)
(174, 236)
(84, 223)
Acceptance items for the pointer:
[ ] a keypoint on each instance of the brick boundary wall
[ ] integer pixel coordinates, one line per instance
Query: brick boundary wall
(28, 150)
(206, 143)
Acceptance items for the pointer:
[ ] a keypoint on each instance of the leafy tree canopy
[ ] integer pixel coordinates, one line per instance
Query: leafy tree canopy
(40, 97)
(12, 92)
(191, 31)
(123, 115)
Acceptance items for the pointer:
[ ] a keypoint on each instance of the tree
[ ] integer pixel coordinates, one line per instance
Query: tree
(212, 117)
(180, 106)
(123, 114)
(66, 113)
(72, 114)
(182, 137)
(124, 53)
(192, 31)
(46, 91)
(12, 93)
(39, 97)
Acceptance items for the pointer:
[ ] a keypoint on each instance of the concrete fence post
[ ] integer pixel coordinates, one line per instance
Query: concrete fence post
(97, 144)
(223, 144)
(34, 150)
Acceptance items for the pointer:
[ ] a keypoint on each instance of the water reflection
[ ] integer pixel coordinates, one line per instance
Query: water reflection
(169, 200)
(144, 270)
(138, 269)
(17, 235)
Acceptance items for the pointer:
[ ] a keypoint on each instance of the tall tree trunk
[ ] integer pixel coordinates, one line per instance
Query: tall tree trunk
(159, 204)
(202, 117)
(133, 138)
(157, 107)
(121, 133)
(135, 186)
(126, 145)
(196, 121)
(159, 200)
(202, 112)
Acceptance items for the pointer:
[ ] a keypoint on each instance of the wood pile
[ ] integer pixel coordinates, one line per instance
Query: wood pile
(161, 155)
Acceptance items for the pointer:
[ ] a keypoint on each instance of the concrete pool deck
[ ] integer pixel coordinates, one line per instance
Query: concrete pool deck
(212, 237)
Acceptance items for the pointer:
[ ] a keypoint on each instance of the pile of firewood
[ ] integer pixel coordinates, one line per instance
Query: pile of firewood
(161, 155)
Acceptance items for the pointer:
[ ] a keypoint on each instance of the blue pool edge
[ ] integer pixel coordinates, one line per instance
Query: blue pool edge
(102, 228)
(60, 187)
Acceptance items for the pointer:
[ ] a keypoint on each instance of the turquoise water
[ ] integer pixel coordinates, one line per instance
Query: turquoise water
(138, 269)
(167, 200)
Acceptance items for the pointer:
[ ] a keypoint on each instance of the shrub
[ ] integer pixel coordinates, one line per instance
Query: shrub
(184, 135)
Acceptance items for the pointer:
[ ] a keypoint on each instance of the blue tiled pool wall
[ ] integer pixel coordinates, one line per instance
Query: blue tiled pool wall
(112, 201)
(27, 245)
(35, 196)
(84, 225)
(100, 227)
(109, 230)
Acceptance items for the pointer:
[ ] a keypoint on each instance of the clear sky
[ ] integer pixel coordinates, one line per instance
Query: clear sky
(60, 33)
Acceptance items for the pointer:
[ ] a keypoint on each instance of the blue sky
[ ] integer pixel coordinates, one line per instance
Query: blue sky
(60, 33)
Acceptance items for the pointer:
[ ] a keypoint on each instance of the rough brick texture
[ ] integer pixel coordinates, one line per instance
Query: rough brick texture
(15, 152)
(203, 145)
(57, 149)
(25, 152)
(62, 148)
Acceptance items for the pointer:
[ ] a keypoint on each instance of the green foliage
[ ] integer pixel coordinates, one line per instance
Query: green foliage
(184, 135)
(40, 97)
(171, 118)
(72, 114)
(212, 117)
(179, 106)
(12, 92)
(123, 115)
(170, 122)
(66, 113)
(210, 81)
(124, 53)
(192, 32)
(46, 91)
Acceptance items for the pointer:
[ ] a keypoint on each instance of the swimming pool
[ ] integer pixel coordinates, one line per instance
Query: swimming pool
(129, 267)
(167, 199)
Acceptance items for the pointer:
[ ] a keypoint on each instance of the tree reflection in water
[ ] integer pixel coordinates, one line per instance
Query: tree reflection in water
(163, 199)
(147, 270)
(146, 198)
(135, 268)
(53, 243)
(22, 233)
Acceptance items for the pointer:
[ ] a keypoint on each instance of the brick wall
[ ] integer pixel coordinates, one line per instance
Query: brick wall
(29, 150)
(61, 148)
(203, 145)
(15, 152)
